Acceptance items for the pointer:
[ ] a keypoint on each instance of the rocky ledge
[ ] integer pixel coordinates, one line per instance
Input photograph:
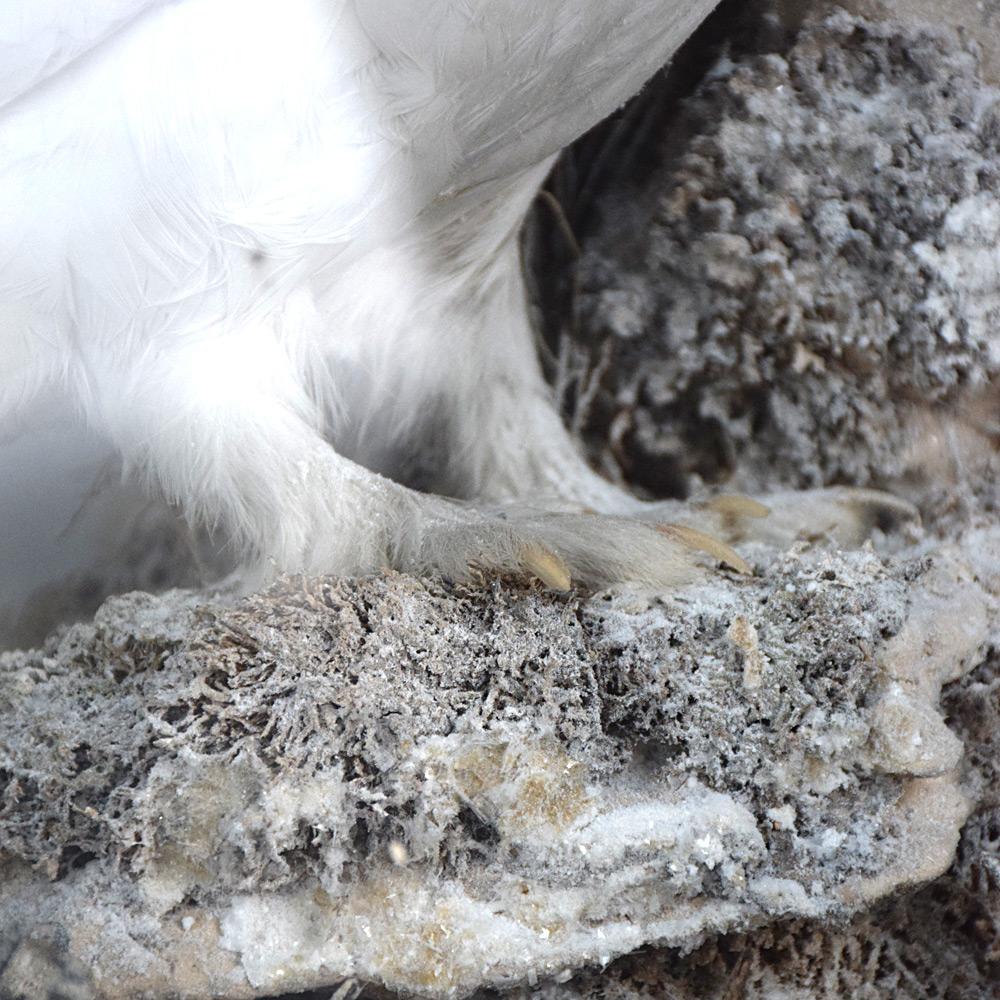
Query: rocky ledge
(439, 789)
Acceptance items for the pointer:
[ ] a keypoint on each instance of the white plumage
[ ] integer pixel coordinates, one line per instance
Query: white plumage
(267, 248)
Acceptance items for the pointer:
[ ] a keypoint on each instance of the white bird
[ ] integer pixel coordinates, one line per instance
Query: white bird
(269, 250)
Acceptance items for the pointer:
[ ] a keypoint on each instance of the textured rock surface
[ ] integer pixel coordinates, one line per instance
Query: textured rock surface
(439, 789)
(978, 19)
(940, 942)
(814, 286)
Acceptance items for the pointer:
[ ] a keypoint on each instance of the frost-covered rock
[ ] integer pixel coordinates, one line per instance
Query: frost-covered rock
(810, 288)
(440, 789)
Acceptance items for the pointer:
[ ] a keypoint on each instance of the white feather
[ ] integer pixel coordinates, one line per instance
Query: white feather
(232, 229)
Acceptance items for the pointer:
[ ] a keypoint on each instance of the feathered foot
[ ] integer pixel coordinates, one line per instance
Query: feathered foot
(844, 516)
(590, 551)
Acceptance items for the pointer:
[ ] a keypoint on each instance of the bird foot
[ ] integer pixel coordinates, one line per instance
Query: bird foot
(562, 550)
(844, 516)
(671, 545)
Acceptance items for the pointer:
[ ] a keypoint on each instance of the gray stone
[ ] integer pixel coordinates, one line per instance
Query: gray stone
(815, 269)
(440, 789)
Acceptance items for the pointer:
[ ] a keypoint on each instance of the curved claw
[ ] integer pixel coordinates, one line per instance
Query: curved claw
(692, 538)
(883, 510)
(736, 505)
(547, 566)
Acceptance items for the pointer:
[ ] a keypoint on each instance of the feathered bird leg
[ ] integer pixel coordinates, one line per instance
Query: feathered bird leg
(234, 231)
(225, 429)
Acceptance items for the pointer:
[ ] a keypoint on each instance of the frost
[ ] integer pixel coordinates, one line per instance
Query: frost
(818, 295)
(441, 788)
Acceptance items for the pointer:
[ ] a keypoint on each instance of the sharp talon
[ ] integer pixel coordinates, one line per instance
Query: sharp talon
(736, 505)
(698, 540)
(547, 566)
(886, 509)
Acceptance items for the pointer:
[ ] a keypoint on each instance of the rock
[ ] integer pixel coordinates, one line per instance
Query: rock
(37, 968)
(440, 789)
(976, 18)
(815, 269)
(941, 941)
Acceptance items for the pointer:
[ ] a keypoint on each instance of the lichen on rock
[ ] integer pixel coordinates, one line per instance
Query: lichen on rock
(439, 788)
(813, 281)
